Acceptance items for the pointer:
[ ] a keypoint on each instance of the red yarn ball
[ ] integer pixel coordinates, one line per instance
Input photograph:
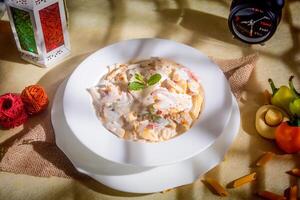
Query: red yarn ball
(12, 111)
(35, 99)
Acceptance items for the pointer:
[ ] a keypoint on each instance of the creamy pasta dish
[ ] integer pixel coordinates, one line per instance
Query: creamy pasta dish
(151, 100)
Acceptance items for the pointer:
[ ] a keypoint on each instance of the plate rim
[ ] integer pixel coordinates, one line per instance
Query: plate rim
(111, 182)
(120, 158)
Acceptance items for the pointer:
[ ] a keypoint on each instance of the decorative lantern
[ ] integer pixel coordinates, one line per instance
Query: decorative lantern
(40, 30)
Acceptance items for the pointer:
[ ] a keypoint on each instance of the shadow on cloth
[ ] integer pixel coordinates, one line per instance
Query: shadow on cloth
(22, 152)
(51, 82)
(197, 21)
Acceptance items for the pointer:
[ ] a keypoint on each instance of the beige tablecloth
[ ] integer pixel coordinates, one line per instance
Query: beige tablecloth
(199, 23)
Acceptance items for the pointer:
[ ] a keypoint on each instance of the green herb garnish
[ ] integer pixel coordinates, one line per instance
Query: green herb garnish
(136, 86)
(151, 109)
(140, 78)
(140, 82)
(152, 114)
(154, 79)
(154, 117)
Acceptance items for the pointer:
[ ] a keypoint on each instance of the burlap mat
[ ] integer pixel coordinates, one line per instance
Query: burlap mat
(33, 151)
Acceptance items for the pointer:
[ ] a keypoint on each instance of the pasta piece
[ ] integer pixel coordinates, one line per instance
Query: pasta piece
(183, 85)
(293, 192)
(220, 190)
(182, 128)
(130, 117)
(197, 102)
(148, 134)
(270, 195)
(295, 172)
(264, 159)
(243, 180)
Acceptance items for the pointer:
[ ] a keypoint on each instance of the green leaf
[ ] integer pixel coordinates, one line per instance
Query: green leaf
(139, 77)
(151, 109)
(136, 86)
(154, 79)
(156, 117)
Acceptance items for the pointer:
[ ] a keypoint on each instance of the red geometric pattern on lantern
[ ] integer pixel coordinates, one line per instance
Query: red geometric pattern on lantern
(52, 28)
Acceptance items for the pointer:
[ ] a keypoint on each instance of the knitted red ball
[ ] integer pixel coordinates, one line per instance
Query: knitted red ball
(35, 99)
(12, 111)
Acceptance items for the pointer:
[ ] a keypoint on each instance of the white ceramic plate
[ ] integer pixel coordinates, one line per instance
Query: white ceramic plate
(139, 179)
(81, 117)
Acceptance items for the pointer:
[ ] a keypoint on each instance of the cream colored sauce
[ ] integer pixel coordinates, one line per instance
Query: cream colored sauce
(155, 113)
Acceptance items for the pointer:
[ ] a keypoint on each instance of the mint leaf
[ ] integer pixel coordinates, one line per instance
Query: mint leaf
(136, 86)
(154, 79)
(139, 77)
(151, 109)
(155, 117)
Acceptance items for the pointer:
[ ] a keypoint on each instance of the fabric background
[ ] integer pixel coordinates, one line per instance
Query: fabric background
(33, 150)
(199, 23)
